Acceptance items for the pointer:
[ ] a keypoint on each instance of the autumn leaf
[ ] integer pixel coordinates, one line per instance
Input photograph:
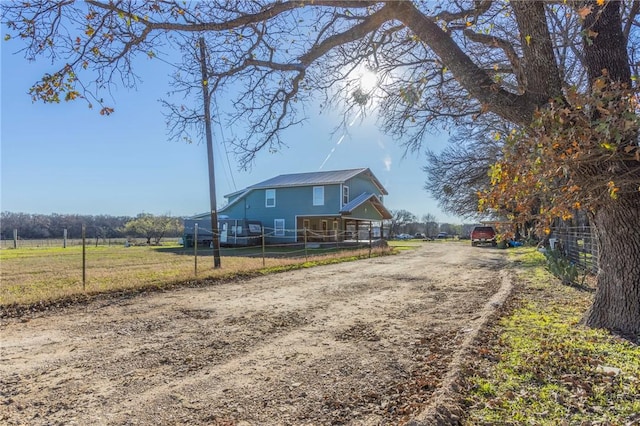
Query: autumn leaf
(607, 145)
(613, 189)
(585, 11)
(71, 95)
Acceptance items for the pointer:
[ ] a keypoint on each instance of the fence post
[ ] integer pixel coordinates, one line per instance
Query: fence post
(64, 238)
(195, 249)
(263, 253)
(84, 258)
(369, 239)
(306, 255)
(15, 238)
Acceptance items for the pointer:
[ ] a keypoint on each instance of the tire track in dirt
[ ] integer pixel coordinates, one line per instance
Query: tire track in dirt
(365, 342)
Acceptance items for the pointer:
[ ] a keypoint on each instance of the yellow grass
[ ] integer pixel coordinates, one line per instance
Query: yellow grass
(32, 275)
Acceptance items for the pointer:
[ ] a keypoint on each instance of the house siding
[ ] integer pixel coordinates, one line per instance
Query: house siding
(359, 184)
(290, 203)
(294, 203)
(366, 211)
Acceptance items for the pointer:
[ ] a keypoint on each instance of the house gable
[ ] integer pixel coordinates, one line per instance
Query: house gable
(366, 207)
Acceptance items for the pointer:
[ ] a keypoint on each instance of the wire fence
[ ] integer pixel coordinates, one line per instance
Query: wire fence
(282, 242)
(48, 269)
(275, 241)
(70, 242)
(246, 235)
(578, 244)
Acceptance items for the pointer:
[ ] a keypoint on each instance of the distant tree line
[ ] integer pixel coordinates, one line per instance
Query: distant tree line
(41, 226)
(405, 222)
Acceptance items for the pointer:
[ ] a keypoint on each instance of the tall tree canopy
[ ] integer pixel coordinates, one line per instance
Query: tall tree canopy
(152, 227)
(436, 63)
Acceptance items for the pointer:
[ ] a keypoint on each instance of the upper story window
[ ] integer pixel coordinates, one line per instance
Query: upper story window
(318, 195)
(270, 198)
(345, 195)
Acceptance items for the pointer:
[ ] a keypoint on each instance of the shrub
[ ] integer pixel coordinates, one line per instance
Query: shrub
(562, 267)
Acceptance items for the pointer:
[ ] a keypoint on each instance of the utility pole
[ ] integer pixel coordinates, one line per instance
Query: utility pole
(212, 177)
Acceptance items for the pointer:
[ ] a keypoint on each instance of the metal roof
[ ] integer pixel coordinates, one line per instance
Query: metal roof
(366, 198)
(313, 178)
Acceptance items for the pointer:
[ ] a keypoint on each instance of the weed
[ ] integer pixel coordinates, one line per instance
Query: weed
(549, 368)
(562, 267)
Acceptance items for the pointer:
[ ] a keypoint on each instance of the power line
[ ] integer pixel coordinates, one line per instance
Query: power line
(226, 151)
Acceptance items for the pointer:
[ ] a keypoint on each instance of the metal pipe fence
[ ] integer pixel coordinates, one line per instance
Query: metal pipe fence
(578, 244)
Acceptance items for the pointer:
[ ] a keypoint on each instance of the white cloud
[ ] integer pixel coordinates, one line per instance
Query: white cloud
(387, 163)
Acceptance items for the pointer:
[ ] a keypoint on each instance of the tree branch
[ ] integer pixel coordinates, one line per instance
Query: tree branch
(477, 82)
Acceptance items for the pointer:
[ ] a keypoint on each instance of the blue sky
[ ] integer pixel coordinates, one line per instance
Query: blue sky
(66, 158)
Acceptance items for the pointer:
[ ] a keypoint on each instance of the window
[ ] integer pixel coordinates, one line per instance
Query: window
(305, 223)
(345, 195)
(318, 195)
(278, 226)
(270, 198)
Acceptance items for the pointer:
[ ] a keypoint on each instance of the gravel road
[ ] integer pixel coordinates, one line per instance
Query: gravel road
(366, 342)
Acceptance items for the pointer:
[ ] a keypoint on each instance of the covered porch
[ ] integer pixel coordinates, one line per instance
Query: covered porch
(359, 220)
(336, 229)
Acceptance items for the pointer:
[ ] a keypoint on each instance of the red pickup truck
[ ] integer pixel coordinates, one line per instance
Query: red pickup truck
(483, 235)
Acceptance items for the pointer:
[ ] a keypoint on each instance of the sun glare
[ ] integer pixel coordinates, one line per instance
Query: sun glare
(368, 80)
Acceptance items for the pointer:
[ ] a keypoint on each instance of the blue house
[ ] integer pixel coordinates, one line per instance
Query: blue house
(318, 206)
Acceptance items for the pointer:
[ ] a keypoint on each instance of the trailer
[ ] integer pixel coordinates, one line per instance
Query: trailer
(232, 232)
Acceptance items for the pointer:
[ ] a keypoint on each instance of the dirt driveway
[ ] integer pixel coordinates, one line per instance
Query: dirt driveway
(364, 342)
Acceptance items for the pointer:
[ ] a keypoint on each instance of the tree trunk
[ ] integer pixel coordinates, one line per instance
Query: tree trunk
(617, 300)
(605, 46)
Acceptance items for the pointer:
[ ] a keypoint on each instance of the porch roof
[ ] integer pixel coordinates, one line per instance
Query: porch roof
(366, 198)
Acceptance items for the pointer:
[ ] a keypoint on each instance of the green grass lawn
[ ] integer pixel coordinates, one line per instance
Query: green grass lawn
(542, 367)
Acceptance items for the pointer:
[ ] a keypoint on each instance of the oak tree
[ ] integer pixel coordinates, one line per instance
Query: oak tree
(436, 63)
(152, 227)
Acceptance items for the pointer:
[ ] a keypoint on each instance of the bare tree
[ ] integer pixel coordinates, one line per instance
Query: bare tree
(399, 220)
(457, 175)
(436, 64)
(430, 225)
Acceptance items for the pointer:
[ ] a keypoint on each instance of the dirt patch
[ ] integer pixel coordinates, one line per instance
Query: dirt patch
(366, 342)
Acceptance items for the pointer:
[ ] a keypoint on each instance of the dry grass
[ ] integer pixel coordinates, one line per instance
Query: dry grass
(33, 275)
